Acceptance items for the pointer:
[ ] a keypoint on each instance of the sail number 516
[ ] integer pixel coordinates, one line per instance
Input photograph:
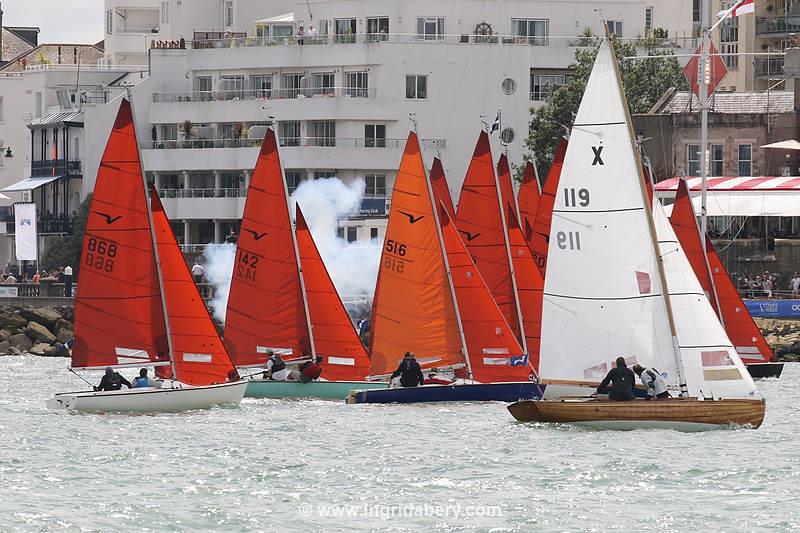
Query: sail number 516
(395, 251)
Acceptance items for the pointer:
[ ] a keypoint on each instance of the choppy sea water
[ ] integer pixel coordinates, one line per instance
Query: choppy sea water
(274, 465)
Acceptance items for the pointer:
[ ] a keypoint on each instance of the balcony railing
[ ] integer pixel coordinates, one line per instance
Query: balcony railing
(324, 142)
(202, 193)
(264, 94)
(777, 25)
(465, 38)
(770, 68)
(134, 29)
(56, 167)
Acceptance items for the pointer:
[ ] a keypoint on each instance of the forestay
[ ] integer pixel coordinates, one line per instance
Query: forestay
(602, 294)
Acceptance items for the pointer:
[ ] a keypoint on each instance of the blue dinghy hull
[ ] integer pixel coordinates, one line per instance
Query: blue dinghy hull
(476, 392)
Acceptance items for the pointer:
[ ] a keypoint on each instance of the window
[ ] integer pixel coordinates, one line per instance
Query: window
(716, 167)
(169, 135)
(693, 160)
(508, 135)
(377, 29)
(345, 30)
(228, 13)
(228, 130)
(324, 133)
(357, 84)
(293, 179)
(430, 28)
(109, 21)
(352, 233)
(261, 86)
(509, 86)
(324, 83)
(2, 154)
(417, 87)
(373, 233)
(534, 31)
(291, 85)
(543, 82)
(648, 18)
(231, 87)
(165, 11)
(375, 186)
(340, 232)
(38, 104)
(324, 174)
(375, 136)
(614, 27)
(696, 11)
(289, 132)
(729, 39)
(745, 159)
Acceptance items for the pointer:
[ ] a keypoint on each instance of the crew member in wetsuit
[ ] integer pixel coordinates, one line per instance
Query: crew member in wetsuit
(112, 381)
(655, 384)
(409, 371)
(310, 370)
(622, 382)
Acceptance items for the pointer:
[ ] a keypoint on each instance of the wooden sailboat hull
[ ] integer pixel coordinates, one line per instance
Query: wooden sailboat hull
(324, 390)
(150, 399)
(473, 392)
(765, 370)
(679, 414)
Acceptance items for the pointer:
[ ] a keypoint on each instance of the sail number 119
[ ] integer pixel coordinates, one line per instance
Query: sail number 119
(568, 240)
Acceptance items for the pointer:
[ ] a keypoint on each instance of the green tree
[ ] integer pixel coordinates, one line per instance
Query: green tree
(67, 250)
(645, 81)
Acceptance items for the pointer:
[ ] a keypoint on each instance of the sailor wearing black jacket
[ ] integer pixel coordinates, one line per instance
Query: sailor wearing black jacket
(622, 382)
(409, 371)
(112, 381)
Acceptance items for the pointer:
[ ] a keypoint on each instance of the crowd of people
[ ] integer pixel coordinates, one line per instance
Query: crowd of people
(9, 276)
(767, 285)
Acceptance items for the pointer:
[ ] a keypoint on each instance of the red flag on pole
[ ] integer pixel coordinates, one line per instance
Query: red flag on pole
(716, 70)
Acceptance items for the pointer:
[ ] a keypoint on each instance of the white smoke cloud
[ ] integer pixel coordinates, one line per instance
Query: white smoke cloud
(353, 266)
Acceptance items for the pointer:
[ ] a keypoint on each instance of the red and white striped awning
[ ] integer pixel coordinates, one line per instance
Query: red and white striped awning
(742, 196)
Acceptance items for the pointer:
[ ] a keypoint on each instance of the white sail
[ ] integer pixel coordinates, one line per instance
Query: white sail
(711, 366)
(602, 294)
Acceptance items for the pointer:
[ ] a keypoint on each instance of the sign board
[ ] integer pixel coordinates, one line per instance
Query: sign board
(773, 308)
(9, 292)
(372, 207)
(25, 232)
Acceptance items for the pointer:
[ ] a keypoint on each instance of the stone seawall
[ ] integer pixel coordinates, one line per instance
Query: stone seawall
(36, 330)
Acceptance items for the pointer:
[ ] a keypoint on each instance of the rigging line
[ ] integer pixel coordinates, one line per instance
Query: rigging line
(84, 379)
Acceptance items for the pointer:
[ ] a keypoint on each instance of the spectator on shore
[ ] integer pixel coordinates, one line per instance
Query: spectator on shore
(10, 280)
(767, 286)
(198, 272)
(36, 278)
(300, 35)
(794, 285)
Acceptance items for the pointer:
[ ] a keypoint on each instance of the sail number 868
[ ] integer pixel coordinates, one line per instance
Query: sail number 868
(100, 254)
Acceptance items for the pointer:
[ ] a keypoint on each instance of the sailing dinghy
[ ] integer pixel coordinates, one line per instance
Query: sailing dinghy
(431, 300)
(276, 305)
(750, 344)
(618, 284)
(137, 304)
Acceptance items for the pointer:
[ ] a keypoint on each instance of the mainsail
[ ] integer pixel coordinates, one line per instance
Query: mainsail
(539, 237)
(441, 192)
(266, 309)
(528, 197)
(494, 353)
(480, 220)
(717, 285)
(413, 308)
(199, 357)
(603, 292)
(118, 314)
(506, 187)
(335, 338)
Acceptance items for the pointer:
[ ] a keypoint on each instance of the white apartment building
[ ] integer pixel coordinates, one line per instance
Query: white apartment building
(343, 95)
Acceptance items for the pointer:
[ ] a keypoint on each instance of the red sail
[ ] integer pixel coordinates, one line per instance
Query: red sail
(480, 222)
(265, 305)
(530, 288)
(335, 338)
(199, 356)
(528, 200)
(506, 187)
(540, 235)
(413, 308)
(739, 325)
(441, 192)
(118, 313)
(494, 353)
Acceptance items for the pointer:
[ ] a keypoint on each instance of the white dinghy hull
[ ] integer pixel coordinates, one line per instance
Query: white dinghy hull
(151, 399)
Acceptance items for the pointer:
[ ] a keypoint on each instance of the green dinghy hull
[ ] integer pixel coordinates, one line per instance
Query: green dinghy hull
(324, 390)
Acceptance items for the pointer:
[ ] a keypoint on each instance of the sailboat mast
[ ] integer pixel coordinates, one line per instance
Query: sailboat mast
(703, 89)
(160, 277)
(510, 260)
(300, 272)
(650, 223)
(447, 267)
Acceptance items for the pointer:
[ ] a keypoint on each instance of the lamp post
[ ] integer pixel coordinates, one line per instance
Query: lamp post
(68, 281)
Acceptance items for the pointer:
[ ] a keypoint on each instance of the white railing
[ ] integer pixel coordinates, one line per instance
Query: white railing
(226, 95)
(320, 142)
(382, 38)
(87, 67)
(202, 193)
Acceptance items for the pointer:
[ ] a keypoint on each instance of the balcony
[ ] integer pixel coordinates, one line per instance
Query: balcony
(46, 225)
(56, 167)
(777, 26)
(264, 94)
(770, 68)
(202, 193)
(324, 142)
